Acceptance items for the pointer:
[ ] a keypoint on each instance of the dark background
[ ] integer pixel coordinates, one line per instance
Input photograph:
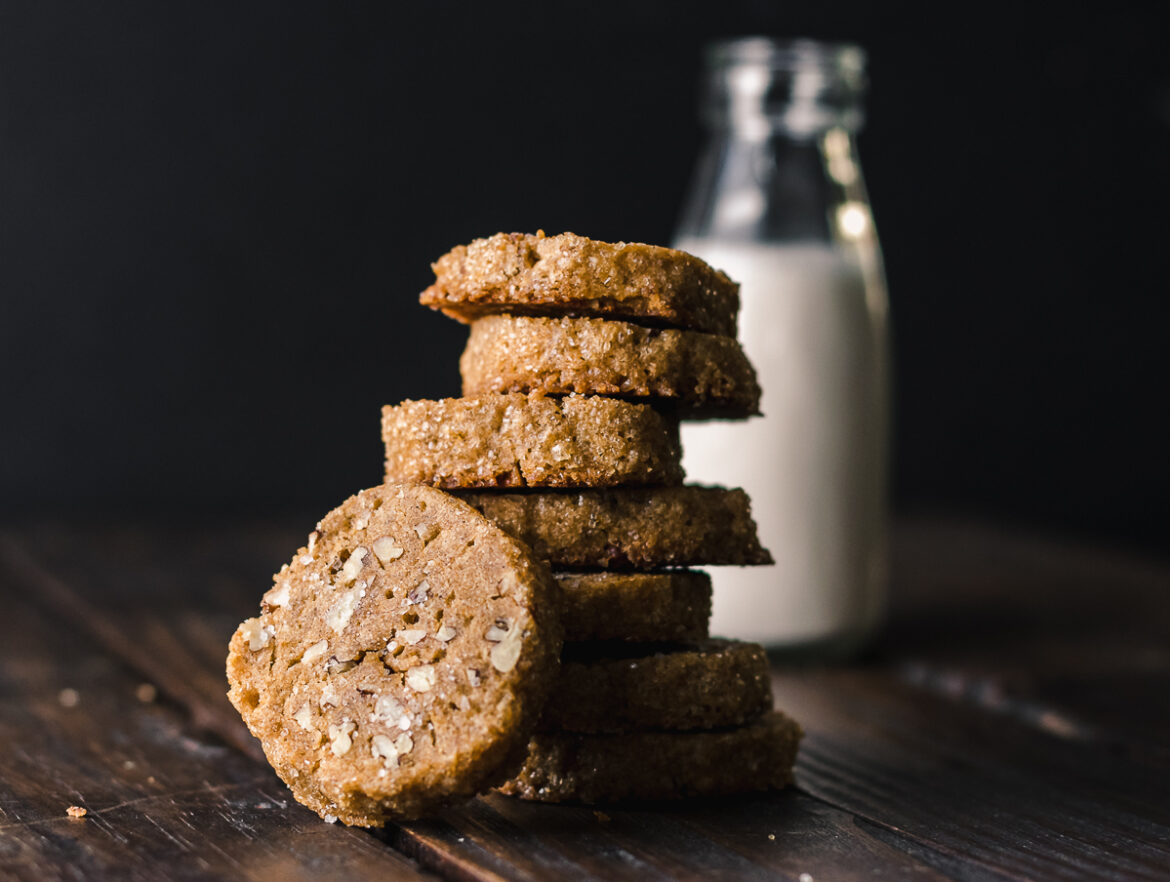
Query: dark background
(215, 219)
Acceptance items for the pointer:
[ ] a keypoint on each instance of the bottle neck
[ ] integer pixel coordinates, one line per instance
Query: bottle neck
(780, 159)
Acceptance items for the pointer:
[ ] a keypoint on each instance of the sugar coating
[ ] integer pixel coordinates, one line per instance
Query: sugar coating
(571, 275)
(629, 527)
(568, 767)
(703, 374)
(529, 441)
(400, 660)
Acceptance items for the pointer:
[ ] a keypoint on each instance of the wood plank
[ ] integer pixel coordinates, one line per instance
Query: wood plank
(1074, 638)
(763, 836)
(994, 792)
(163, 799)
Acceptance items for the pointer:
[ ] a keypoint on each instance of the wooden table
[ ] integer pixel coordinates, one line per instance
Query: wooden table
(1013, 723)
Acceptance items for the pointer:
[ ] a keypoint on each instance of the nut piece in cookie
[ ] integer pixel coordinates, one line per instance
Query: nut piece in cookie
(401, 660)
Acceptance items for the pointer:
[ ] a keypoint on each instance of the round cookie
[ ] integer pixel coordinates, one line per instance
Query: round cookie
(564, 767)
(400, 660)
(630, 527)
(706, 685)
(701, 375)
(641, 607)
(570, 275)
(529, 441)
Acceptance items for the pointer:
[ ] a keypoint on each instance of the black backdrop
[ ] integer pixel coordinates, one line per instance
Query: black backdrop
(215, 220)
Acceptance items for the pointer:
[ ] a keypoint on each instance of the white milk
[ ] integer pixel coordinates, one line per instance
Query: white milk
(814, 464)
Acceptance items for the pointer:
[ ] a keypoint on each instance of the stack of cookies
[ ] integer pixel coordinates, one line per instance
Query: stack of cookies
(582, 358)
(536, 627)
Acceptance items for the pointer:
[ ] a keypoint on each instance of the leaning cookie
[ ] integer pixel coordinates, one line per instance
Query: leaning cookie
(706, 685)
(698, 374)
(521, 274)
(565, 767)
(529, 441)
(401, 660)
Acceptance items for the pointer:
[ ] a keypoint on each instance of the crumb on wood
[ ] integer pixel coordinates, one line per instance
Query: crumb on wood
(601, 816)
(146, 693)
(68, 697)
(76, 811)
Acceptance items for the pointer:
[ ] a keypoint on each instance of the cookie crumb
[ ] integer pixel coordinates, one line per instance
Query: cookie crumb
(602, 817)
(76, 811)
(68, 697)
(146, 693)
(772, 837)
(805, 877)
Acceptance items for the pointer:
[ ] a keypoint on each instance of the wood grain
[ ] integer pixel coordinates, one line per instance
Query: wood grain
(1011, 725)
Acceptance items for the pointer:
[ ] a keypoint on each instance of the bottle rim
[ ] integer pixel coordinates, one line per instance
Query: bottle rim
(801, 53)
(800, 87)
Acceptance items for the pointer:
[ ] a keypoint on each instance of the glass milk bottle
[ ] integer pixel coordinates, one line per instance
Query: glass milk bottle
(778, 203)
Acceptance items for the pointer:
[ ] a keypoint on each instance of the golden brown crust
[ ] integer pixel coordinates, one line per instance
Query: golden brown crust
(706, 685)
(529, 441)
(704, 374)
(572, 275)
(401, 660)
(565, 767)
(642, 607)
(629, 528)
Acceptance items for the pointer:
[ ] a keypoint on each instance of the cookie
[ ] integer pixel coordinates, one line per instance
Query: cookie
(629, 528)
(566, 767)
(567, 274)
(529, 441)
(706, 685)
(701, 374)
(401, 660)
(646, 607)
